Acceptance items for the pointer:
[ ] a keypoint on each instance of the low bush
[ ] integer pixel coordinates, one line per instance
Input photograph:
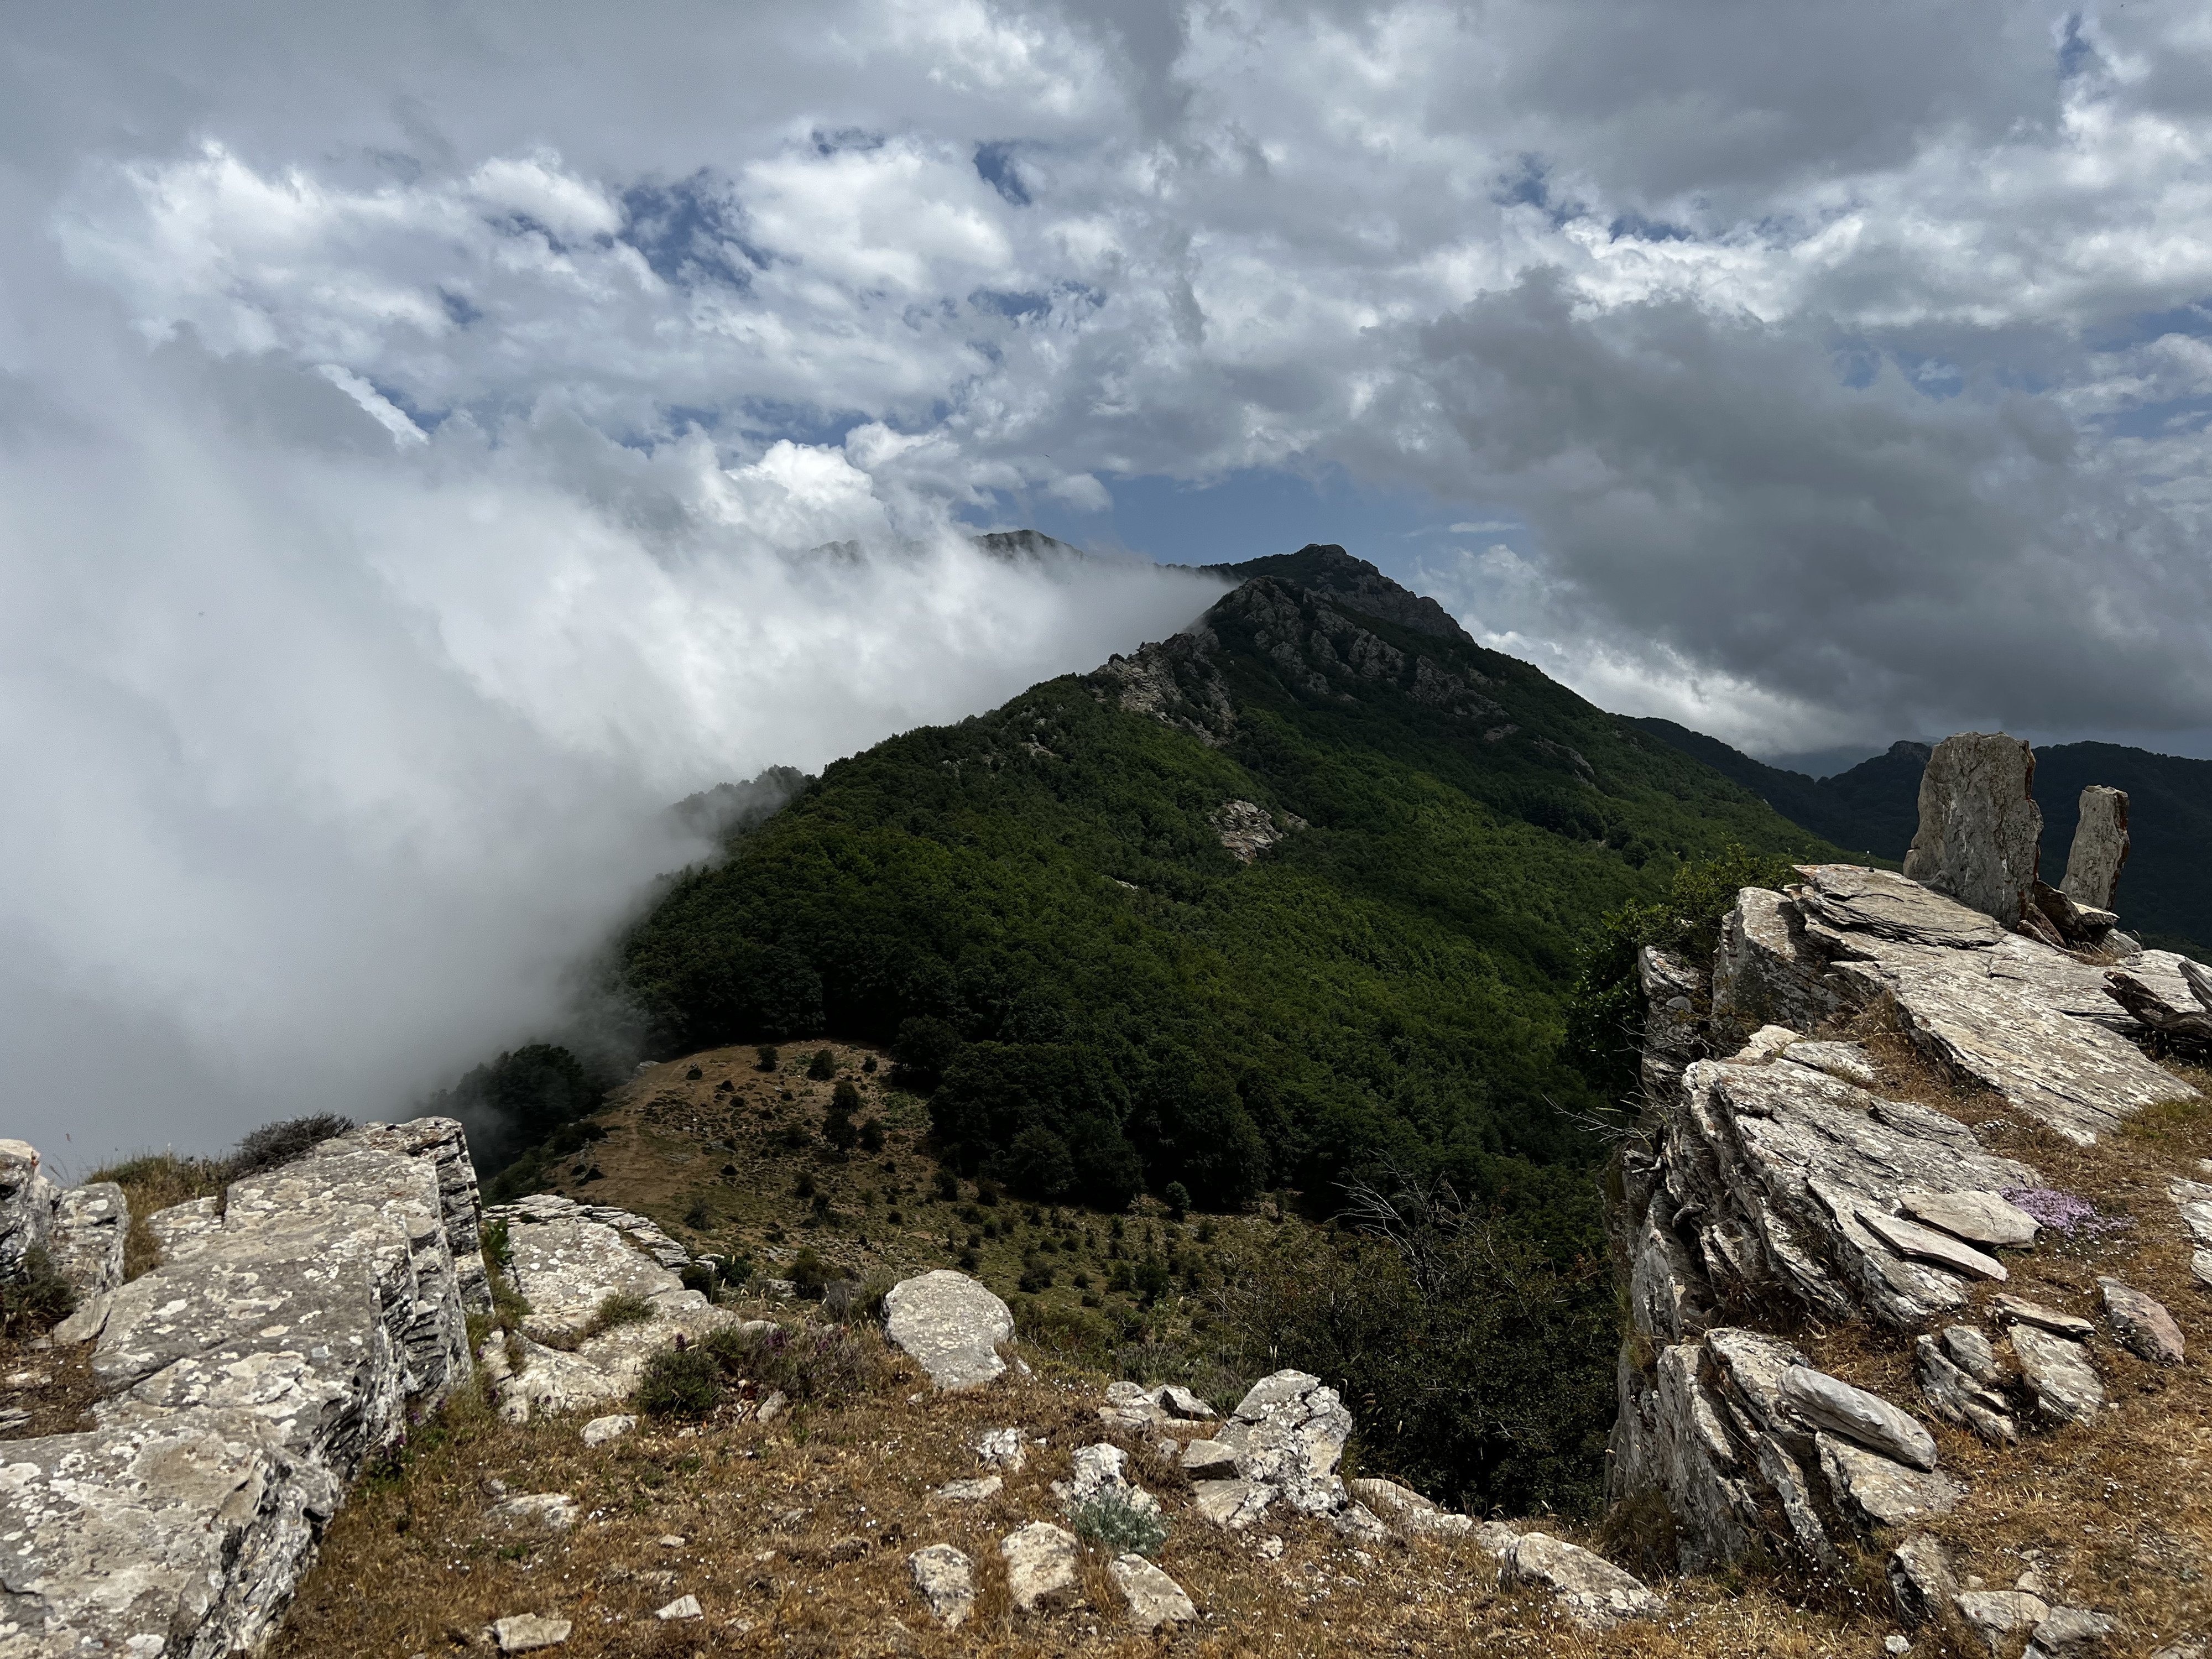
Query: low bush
(822, 1067)
(682, 1383)
(275, 1143)
(807, 1363)
(38, 1300)
(1111, 1520)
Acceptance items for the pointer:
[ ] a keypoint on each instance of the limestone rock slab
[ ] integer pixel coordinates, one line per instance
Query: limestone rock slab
(1877, 1490)
(2100, 851)
(1154, 1598)
(196, 1526)
(1593, 1593)
(1977, 1218)
(952, 1326)
(1041, 1560)
(1910, 1239)
(1981, 832)
(1831, 1403)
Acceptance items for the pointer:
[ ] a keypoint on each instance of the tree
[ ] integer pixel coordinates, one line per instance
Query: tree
(769, 1058)
(924, 1048)
(1178, 1198)
(1039, 1164)
(822, 1067)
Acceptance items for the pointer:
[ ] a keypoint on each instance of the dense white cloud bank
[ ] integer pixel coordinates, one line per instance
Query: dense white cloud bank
(410, 422)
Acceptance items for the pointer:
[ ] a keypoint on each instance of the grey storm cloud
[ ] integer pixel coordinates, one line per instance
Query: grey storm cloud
(413, 422)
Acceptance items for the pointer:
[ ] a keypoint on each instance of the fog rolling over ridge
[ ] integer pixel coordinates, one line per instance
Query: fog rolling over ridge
(332, 757)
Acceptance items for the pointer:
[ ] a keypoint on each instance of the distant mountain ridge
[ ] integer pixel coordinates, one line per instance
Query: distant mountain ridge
(2165, 892)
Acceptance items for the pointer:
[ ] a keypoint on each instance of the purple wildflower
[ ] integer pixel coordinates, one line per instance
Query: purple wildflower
(2066, 1214)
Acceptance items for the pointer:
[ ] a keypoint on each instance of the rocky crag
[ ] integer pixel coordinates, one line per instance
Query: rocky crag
(1780, 1188)
(293, 1329)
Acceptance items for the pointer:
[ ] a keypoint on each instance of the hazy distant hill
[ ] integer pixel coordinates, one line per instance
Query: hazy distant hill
(2166, 895)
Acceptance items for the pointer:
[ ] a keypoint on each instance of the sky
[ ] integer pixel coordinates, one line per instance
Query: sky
(415, 421)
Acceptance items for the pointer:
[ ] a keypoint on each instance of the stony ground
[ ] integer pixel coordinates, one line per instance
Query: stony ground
(794, 1537)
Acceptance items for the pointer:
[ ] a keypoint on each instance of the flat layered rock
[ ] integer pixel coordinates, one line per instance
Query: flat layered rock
(1829, 1403)
(945, 1580)
(2018, 1310)
(2066, 1385)
(1848, 1060)
(1977, 1217)
(567, 1265)
(1232, 1504)
(1153, 1598)
(952, 1326)
(527, 1632)
(2144, 1327)
(1959, 1398)
(1910, 1238)
(198, 1521)
(1881, 1490)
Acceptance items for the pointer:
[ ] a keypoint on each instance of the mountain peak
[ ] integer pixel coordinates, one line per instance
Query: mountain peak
(1324, 568)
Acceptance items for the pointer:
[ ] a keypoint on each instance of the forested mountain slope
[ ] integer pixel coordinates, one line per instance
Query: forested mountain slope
(1050, 906)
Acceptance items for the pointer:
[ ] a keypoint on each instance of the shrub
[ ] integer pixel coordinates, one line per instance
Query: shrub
(498, 1248)
(1178, 1200)
(822, 1067)
(681, 1382)
(872, 1135)
(948, 1186)
(1112, 1520)
(1037, 1277)
(868, 1065)
(766, 1056)
(274, 1144)
(694, 1075)
(618, 1309)
(699, 1217)
(807, 1362)
(804, 1186)
(838, 1129)
(38, 1300)
(1151, 1280)
(1491, 1335)
(809, 1272)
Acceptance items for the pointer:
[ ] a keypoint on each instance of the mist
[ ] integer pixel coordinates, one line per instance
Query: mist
(335, 753)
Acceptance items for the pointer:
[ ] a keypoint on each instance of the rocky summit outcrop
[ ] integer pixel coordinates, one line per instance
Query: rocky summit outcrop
(1780, 1185)
(291, 1331)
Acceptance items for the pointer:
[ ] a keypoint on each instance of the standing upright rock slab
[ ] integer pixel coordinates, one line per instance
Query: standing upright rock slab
(1980, 829)
(2100, 849)
(952, 1325)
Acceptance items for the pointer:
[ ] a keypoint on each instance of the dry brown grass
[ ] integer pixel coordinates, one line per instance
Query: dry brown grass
(155, 1181)
(766, 1517)
(55, 1385)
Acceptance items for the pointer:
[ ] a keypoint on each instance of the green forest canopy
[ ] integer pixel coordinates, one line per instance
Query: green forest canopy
(1034, 907)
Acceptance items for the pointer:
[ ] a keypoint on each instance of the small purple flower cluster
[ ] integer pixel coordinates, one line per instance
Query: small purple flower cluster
(2065, 1214)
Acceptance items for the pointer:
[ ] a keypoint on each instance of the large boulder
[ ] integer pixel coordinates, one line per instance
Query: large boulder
(26, 1205)
(1981, 831)
(2100, 849)
(952, 1325)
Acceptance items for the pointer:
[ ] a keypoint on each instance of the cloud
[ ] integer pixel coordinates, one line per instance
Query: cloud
(342, 751)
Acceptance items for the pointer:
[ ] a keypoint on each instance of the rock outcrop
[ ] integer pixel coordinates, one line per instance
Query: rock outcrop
(289, 1334)
(1779, 1179)
(567, 1259)
(1282, 1442)
(2100, 849)
(1981, 831)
